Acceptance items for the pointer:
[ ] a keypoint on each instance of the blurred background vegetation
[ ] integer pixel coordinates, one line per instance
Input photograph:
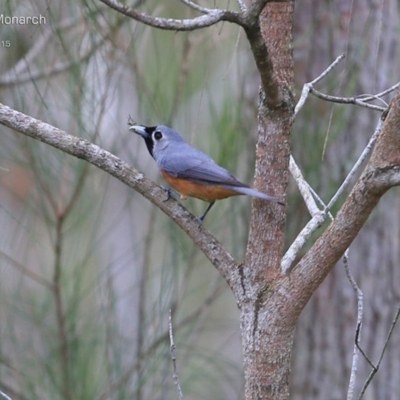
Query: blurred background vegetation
(89, 269)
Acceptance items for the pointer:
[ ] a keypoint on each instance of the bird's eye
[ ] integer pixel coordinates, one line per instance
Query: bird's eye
(157, 135)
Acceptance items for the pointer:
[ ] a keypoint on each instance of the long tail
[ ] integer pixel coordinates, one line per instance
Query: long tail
(255, 193)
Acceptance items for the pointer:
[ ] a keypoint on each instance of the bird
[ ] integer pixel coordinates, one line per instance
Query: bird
(189, 171)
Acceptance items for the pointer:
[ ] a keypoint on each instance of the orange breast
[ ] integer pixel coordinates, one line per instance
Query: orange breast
(203, 192)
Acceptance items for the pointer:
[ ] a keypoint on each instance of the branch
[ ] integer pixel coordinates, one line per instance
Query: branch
(375, 368)
(360, 100)
(5, 396)
(364, 155)
(196, 7)
(381, 94)
(308, 86)
(173, 357)
(381, 173)
(106, 161)
(211, 17)
(360, 312)
(345, 100)
(267, 30)
(303, 186)
(318, 216)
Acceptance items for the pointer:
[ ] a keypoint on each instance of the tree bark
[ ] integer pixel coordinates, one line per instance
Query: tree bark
(267, 336)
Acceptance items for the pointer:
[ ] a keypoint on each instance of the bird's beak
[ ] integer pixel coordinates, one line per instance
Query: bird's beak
(140, 130)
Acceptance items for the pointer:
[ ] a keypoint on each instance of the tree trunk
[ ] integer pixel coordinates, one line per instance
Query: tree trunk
(267, 336)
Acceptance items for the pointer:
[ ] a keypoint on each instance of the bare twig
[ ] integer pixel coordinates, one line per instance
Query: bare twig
(376, 367)
(318, 216)
(303, 186)
(210, 18)
(308, 194)
(345, 100)
(360, 100)
(381, 94)
(308, 86)
(357, 341)
(5, 396)
(173, 357)
(196, 7)
(360, 311)
(364, 155)
(315, 222)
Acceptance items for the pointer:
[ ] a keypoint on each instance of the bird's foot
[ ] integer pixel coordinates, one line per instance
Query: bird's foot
(200, 220)
(169, 192)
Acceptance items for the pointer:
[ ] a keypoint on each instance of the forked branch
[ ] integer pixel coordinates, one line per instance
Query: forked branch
(319, 215)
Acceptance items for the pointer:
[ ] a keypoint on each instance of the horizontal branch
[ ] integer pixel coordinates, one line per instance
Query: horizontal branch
(345, 100)
(211, 17)
(116, 167)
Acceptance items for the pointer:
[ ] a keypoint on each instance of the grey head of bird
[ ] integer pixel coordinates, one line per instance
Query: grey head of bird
(157, 138)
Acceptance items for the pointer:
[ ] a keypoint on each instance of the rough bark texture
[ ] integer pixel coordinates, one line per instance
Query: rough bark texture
(266, 339)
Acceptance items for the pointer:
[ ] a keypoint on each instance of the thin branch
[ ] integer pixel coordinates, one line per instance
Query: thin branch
(308, 86)
(376, 368)
(106, 161)
(345, 100)
(357, 342)
(304, 187)
(312, 225)
(173, 356)
(360, 312)
(360, 100)
(318, 216)
(30, 274)
(196, 7)
(5, 396)
(364, 155)
(381, 94)
(211, 18)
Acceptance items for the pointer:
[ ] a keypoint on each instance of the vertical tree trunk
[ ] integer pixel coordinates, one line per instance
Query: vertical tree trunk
(267, 334)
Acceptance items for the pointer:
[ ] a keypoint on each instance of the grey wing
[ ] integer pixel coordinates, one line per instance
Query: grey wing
(198, 167)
